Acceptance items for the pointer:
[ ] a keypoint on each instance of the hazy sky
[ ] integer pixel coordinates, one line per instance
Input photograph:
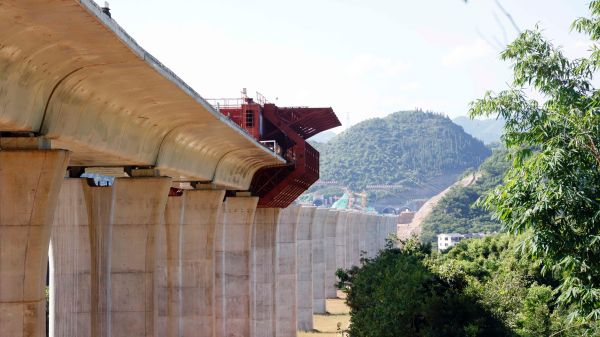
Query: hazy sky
(363, 58)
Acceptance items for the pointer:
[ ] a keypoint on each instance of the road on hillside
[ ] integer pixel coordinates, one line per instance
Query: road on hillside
(425, 210)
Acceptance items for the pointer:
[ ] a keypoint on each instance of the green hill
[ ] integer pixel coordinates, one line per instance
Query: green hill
(455, 213)
(418, 153)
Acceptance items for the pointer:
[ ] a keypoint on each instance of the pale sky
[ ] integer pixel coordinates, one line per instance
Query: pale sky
(363, 58)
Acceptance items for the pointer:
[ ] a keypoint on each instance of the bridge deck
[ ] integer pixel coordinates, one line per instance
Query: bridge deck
(70, 73)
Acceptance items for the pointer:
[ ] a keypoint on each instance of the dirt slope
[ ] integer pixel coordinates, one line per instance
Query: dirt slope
(415, 225)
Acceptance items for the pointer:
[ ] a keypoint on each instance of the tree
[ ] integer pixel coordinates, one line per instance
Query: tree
(396, 295)
(552, 189)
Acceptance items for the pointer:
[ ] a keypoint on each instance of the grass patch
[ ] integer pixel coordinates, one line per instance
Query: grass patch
(327, 325)
(337, 307)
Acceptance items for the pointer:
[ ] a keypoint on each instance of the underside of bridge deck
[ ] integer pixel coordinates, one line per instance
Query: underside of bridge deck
(70, 74)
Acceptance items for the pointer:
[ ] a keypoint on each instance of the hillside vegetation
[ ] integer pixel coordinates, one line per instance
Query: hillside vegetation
(456, 212)
(481, 287)
(410, 149)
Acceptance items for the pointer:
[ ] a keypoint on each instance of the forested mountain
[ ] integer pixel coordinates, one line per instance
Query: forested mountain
(487, 130)
(456, 213)
(412, 150)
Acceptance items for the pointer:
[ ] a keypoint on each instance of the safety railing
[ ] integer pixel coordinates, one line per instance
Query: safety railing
(225, 103)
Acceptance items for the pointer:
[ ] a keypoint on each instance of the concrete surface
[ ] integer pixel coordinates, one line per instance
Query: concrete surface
(329, 252)
(185, 264)
(318, 260)
(64, 59)
(285, 273)
(233, 273)
(30, 183)
(263, 272)
(138, 211)
(341, 239)
(304, 293)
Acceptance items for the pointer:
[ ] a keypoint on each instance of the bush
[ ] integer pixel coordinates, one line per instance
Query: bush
(396, 295)
(481, 287)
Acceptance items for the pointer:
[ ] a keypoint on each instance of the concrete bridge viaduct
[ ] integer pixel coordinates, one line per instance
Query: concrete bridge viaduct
(176, 245)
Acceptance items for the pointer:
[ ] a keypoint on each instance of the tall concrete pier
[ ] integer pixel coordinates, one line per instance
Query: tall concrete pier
(30, 182)
(233, 268)
(304, 271)
(342, 229)
(285, 273)
(185, 264)
(330, 253)
(264, 261)
(139, 209)
(318, 259)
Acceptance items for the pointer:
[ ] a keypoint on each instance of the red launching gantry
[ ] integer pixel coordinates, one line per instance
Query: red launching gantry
(284, 131)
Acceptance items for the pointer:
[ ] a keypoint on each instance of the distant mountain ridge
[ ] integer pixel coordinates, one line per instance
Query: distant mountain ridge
(486, 130)
(417, 153)
(323, 137)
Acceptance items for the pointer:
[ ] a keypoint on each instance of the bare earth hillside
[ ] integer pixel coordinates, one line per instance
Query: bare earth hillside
(405, 231)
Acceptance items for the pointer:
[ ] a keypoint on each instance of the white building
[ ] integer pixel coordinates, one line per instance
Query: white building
(446, 241)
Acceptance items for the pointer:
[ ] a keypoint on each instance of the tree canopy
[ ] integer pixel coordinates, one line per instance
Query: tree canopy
(397, 295)
(481, 287)
(552, 189)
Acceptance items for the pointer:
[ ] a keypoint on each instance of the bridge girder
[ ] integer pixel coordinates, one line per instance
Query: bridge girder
(70, 74)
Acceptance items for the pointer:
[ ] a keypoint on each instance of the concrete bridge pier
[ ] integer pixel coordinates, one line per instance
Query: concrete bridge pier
(348, 250)
(304, 294)
(329, 252)
(285, 273)
(363, 226)
(374, 221)
(392, 226)
(378, 235)
(30, 181)
(341, 239)
(232, 268)
(390, 229)
(318, 260)
(168, 268)
(185, 264)
(381, 232)
(263, 272)
(80, 260)
(352, 239)
(355, 237)
(360, 240)
(138, 211)
(103, 257)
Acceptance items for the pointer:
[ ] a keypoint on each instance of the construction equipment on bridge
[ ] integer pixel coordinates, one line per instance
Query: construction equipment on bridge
(350, 201)
(284, 130)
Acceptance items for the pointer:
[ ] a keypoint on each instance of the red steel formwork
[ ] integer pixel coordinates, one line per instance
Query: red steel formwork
(286, 131)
